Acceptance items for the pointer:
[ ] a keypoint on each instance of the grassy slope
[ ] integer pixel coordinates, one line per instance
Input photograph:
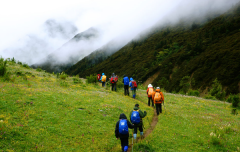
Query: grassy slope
(40, 114)
(186, 125)
(205, 52)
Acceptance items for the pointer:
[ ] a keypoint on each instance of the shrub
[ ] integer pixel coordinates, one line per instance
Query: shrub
(77, 80)
(210, 97)
(163, 82)
(3, 66)
(25, 65)
(6, 76)
(63, 76)
(234, 99)
(193, 93)
(39, 69)
(217, 90)
(20, 63)
(92, 78)
(63, 84)
(185, 83)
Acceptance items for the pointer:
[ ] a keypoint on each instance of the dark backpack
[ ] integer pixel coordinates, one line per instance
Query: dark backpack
(123, 126)
(135, 117)
(134, 84)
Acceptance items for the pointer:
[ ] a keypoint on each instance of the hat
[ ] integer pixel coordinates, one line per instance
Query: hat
(150, 85)
(131, 79)
(136, 105)
(158, 88)
(102, 73)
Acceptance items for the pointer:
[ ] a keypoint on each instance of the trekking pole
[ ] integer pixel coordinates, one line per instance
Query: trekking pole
(132, 140)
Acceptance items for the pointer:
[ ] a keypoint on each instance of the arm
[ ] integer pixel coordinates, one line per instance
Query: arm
(116, 130)
(147, 91)
(131, 126)
(142, 114)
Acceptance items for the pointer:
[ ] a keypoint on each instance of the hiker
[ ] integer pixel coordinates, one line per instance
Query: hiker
(133, 85)
(121, 131)
(149, 93)
(126, 85)
(103, 79)
(113, 81)
(158, 99)
(136, 116)
(98, 77)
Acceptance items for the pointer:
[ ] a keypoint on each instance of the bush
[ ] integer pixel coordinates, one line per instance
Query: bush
(25, 65)
(77, 80)
(193, 93)
(7, 77)
(3, 67)
(92, 78)
(20, 63)
(210, 97)
(217, 91)
(39, 69)
(185, 83)
(62, 76)
(63, 84)
(234, 99)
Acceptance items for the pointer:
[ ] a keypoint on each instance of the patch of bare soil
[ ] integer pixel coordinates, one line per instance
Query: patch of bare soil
(151, 79)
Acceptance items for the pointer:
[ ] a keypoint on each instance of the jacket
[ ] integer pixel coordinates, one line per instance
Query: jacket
(117, 134)
(148, 90)
(142, 115)
(162, 99)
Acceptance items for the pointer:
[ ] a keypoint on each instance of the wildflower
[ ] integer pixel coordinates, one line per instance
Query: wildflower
(211, 134)
(1, 120)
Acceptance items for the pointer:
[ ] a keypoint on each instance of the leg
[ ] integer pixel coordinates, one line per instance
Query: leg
(141, 131)
(125, 90)
(112, 86)
(148, 101)
(124, 144)
(157, 109)
(128, 90)
(152, 102)
(115, 86)
(160, 107)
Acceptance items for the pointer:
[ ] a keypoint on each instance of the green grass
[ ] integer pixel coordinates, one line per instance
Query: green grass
(193, 124)
(39, 113)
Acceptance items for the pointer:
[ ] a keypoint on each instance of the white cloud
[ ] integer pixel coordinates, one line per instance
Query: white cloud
(125, 18)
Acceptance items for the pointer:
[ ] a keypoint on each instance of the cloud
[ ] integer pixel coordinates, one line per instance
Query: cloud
(31, 30)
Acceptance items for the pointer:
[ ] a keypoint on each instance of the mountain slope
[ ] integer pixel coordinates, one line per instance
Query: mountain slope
(203, 51)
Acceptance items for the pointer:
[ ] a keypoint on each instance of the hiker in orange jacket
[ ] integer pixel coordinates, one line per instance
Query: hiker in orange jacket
(150, 91)
(158, 99)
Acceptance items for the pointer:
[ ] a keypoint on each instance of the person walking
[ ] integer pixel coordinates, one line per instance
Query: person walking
(158, 99)
(113, 81)
(126, 85)
(121, 131)
(103, 79)
(150, 91)
(136, 116)
(133, 85)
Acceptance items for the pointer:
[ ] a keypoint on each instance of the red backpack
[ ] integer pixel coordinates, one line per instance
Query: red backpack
(134, 84)
(114, 79)
(98, 77)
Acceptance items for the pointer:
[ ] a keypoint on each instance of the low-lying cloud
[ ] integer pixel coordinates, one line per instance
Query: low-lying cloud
(32, 31)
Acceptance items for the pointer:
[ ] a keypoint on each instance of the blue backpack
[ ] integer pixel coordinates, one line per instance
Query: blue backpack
(123, 127)
(126, 81)
(135, 117)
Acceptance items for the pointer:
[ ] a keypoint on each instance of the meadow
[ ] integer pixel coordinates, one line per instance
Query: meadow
(40, 112)
(48, 112)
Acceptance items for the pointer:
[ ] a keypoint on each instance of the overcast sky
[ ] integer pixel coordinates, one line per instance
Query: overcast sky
(23, 22)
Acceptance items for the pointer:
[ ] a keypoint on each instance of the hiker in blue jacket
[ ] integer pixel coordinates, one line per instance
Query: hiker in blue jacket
(133, 87)
(121, 131)
(103, 79)
(126, 85)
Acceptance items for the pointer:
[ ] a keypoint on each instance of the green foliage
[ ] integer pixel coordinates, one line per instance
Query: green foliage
(234, 99)
(64, 83)
(3, 67)
(20, 63)
(26, 65)
(13, 60)
(208, 96)
(193, 93)
(92, 78)
(185, 84)
(39, 69)
(217, 90)
(77, 80)
(62, 76)
(163, 82)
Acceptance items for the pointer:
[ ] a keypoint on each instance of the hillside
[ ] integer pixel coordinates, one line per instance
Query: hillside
(203, 51)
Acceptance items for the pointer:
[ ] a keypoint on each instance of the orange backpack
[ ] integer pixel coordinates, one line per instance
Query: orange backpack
(150, 91)
(157, 97)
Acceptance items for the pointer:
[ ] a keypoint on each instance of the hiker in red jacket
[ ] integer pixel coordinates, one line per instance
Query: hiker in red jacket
(150, 91)
(113, 81)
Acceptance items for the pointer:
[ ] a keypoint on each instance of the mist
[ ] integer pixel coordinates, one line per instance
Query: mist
(32, 31)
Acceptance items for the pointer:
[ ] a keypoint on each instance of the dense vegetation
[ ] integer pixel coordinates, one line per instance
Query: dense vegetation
(203, 52)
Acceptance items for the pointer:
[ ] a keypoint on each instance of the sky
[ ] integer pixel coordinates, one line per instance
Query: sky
(30, 30)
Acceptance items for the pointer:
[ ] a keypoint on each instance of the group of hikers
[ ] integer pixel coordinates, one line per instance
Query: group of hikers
(114, 79)
(136, 115)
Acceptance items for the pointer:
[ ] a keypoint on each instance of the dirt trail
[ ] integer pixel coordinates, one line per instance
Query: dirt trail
(147, 132)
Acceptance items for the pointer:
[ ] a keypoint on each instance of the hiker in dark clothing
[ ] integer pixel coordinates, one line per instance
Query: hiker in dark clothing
(126, 85)
(113, 81)
(150, 91)
(121, 131)
(134, 115)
